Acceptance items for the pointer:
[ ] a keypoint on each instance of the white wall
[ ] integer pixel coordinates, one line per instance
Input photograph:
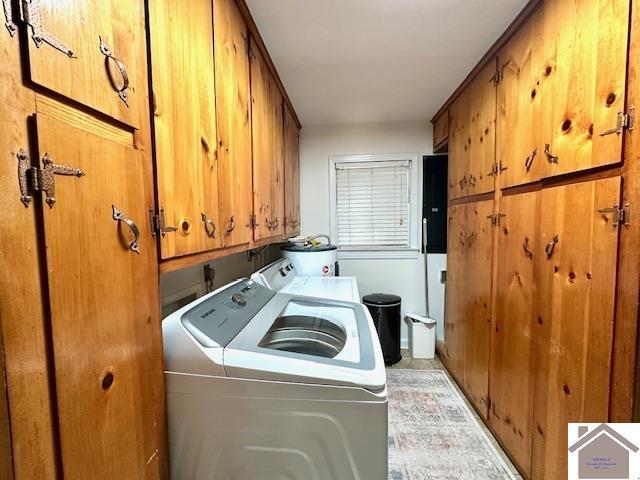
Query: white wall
(404, 277)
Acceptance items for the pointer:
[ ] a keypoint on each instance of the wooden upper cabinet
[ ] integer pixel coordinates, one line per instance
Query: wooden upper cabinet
(440, 130)
(268, 153)
(291, 175)
(105, 330)
(459, 129)
(576, 258)
(512, 348)
(233, 108)
(182, 66)
(519, 149)
(481, 136)
(92, 52)
(581, 66)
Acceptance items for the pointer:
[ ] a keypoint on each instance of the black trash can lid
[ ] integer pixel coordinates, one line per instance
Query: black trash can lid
(381, 299)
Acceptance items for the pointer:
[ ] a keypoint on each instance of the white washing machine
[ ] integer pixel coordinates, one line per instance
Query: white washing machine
(266, 385)
(282, 276)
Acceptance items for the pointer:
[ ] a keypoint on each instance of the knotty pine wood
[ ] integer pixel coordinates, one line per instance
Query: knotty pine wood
(22, 311)
(291, 175)
(103, 325)
(268, 154)
(511, 386)
(233, 109)
(440, 130)
(625, 403)
(182, 62)
(6, 456)
(84, 78)
(575, 306)
(459, 132)
(454, 347)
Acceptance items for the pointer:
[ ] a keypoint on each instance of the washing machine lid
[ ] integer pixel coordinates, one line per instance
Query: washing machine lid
(309, 340)
(334, 288)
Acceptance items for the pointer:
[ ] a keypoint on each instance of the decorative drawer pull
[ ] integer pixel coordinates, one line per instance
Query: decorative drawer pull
(209, 226)
(529, 160)
(551, 157)
(525, 247)
(120, 88)
(119, 217)
(230, 226)
(551, 247)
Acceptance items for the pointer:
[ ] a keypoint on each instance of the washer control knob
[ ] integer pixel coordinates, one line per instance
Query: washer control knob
(239, 299)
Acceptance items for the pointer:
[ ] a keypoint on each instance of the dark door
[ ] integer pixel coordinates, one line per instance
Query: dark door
(434, 201)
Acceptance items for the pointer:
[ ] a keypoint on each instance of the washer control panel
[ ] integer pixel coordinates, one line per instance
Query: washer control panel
(221, 316)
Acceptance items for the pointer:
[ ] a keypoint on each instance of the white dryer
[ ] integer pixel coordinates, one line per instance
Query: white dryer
(273, 386)
(282, 276)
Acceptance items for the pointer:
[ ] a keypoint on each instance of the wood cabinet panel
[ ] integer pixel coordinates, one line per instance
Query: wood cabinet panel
(87, 76)
(518, 143)
(268, 154)
(6, 455)
(459, 154)
(583, 64)
(233, 109)
(185, 129)
(108, 366)
(481, 139)
(512, 349)
(477, 302)
(440, 130)
(291, 175)
(576, 278)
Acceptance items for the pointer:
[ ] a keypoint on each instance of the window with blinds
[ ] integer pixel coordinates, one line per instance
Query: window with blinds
(373, 204)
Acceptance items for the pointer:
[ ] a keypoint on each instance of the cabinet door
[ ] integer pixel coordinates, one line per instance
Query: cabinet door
(476, 309)
(584, 60)
(459, 137)
(518, 146)
(441, 130)
(577, 263)
(481, 138)
(105, 331)
(184, 120)
(268, 138)
(454, 319)
(67, 53)
(511, 341)
(233, 111)
(291, 175)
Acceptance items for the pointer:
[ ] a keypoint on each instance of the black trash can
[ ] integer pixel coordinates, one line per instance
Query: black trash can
(385, 311)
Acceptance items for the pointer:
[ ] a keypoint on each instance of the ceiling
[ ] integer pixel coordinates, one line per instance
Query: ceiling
(357, 61)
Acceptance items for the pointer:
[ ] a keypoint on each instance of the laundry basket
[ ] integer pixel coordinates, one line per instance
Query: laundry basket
(422, 336)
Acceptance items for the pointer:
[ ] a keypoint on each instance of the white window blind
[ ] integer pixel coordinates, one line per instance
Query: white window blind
(373, 204)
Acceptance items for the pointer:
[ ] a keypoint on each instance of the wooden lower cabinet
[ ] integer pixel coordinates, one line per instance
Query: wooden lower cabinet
(576, 278)
(468, 324)
(106, 339)
(511, 370)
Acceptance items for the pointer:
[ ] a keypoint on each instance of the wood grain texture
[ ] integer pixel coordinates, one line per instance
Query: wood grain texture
(268, 154)
(511, 385)
(584, 55)
(103, 325)
(6, 455)
(440, 130)
(24, 330)
(84, 78)
(459, 154)
(233, 109)
(625, 403)
(185, 123)
(576, 292)
(291, 175)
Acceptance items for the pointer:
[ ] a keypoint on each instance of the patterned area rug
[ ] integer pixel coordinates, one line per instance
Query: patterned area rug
(432, 433)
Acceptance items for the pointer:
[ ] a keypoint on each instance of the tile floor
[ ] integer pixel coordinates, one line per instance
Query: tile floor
(436, 364)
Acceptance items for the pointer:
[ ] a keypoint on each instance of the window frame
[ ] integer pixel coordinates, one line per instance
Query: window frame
(378, 252)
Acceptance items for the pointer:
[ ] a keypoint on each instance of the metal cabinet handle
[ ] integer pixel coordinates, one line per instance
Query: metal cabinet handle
(120, 88)
(230, 226)
(551, 157)
(275, 222)
(119, 217)
(209, 226)
(529, 160)
(551, 247)
(525, 247)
